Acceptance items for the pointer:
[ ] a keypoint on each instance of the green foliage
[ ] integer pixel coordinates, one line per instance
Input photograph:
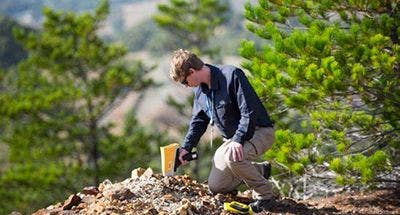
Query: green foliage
(52, 111)
(193, 23)
(328, 73)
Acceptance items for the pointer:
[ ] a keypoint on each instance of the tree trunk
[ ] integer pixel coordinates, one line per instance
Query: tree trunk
(93, 141)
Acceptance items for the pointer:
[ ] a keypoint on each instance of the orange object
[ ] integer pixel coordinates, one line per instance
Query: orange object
(168, 156)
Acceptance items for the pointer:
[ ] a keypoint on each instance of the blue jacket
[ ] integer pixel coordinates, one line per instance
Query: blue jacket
(231, 104)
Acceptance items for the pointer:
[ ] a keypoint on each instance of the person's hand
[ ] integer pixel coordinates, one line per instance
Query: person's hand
(183, 152)
(234, 151)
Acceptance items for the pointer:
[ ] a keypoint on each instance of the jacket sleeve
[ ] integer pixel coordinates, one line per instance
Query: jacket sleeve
(246, 99)
(197, 126)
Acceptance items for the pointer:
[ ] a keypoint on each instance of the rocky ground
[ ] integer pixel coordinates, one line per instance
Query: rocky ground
(148, 193)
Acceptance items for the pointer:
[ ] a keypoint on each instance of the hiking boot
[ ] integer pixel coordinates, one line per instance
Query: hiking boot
(262, 204)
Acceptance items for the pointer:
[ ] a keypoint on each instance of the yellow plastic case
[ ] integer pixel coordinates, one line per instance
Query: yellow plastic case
(237, 207)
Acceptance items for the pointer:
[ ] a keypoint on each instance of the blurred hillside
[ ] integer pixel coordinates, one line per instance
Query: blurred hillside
(124, 14)
(130, 23)
(10, 51)
(29, 12)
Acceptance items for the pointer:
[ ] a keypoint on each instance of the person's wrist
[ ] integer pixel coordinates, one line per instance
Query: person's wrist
(237, 140)
(236, 143)
(187, 148)
(183, 150)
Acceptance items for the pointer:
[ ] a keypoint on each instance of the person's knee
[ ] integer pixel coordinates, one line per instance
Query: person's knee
(215, 186)
(218, 188)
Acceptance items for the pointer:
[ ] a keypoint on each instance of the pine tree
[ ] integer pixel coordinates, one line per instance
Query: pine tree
(329, 74)
(192, 23)
(52, 113)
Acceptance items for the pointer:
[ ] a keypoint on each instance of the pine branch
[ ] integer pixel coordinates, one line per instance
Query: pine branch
(378, 144)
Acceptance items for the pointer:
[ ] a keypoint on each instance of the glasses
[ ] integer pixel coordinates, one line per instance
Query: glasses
(184, 81)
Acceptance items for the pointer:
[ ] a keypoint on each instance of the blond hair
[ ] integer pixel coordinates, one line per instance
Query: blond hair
(181, 62)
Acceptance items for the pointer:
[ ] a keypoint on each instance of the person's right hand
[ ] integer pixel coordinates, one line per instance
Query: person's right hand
(234, 152)
(183, 152)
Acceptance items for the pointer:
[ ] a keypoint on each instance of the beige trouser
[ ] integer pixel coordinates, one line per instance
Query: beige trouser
(226, 175)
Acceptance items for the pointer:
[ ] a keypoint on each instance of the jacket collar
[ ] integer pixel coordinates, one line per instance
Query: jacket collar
(214, 74)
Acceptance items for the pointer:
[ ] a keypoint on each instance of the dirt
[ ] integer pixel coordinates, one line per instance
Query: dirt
(149, 193)
(376, 201)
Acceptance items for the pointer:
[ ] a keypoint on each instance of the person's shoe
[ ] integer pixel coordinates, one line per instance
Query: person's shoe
(262, 204)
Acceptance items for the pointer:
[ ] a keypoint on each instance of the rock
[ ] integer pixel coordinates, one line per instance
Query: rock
(220, 197)
(97, 208)
(51, 207)
(245, 194)
(136, 173)
(149, 194)
(73, 200)
(151, 211)
(168, 197)
(99, 195)
(122, 194)
(166, 181)
(81, 206)
(155, 194)
(50, 210)
(42, 212)
(106, 183)
(147, 174)
(183, 210)
(89, 199)
(90, 190)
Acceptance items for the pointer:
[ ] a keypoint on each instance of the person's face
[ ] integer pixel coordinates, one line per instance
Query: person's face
(190, 79)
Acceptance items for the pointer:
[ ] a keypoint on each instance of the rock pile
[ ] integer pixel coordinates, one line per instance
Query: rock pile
(143, 193)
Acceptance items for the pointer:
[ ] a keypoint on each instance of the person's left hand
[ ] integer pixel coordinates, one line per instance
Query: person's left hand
(182, 152)
(234, 151)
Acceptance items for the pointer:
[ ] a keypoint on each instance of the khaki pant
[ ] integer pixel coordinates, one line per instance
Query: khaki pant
(226, 175)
